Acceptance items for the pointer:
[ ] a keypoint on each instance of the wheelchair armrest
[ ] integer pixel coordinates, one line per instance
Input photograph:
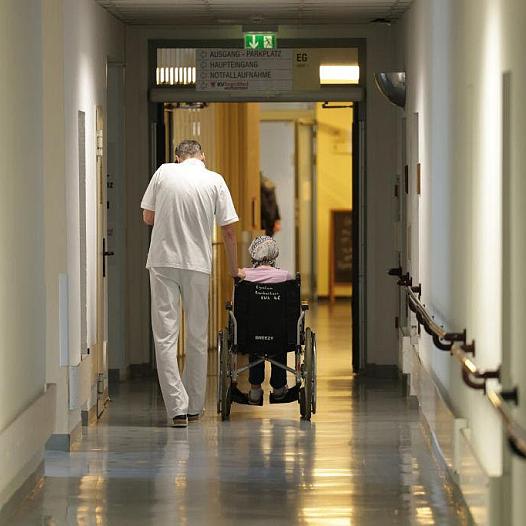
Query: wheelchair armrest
(228, 305)
(304, 306)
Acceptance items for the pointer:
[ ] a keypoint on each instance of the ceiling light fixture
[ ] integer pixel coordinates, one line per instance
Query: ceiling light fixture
(337, 74)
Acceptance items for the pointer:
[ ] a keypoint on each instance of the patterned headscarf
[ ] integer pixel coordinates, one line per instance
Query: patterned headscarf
(263, 251)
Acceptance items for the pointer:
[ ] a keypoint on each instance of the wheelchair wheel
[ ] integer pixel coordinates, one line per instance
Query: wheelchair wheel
(302, 402)
(314, 374)
(225, 379)
(309, 382)
(219, 346)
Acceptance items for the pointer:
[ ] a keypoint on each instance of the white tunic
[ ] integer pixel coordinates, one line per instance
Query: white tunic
(185, 198)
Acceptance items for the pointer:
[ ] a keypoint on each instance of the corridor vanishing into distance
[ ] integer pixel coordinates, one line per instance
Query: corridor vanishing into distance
(363, 460)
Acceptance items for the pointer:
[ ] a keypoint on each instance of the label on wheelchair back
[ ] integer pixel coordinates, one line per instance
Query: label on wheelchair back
(264, 338)
(267, 293)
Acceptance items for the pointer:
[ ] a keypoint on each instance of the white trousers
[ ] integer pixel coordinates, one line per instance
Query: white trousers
(168, 286)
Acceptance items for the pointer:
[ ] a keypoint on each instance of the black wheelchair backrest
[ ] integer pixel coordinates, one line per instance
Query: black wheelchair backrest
(267, 316)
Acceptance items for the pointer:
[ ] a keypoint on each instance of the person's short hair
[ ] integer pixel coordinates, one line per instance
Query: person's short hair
(187, 149)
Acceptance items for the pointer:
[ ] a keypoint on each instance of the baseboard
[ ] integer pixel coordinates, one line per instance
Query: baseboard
(25, 439)
(64, 441)
(405, 381)
(20, 494)
(339, 297)
(449, 439)
(114, 376)
(445, 469)
(118, 375)
(373, 370)
(141, 370)
(89, 417)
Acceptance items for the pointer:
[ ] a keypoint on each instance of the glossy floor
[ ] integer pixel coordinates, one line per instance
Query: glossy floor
(363, 460)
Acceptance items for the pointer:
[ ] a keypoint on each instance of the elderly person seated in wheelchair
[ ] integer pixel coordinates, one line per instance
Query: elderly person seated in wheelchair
(263, 252)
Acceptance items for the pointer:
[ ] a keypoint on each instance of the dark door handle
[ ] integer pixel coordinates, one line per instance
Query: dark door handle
(104, 254)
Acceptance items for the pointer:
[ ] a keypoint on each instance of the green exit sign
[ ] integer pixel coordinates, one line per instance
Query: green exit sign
(260, 41)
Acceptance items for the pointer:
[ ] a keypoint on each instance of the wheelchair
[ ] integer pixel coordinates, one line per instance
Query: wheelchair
(264, 320)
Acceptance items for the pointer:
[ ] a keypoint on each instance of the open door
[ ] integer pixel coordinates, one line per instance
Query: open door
(100, 353)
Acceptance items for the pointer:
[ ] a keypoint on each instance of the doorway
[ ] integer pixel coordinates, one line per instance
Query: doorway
(115, 244)
(306, 154)
(278, 184)
(307, 160)
(318, 167)
(180, 74)
(100, 357)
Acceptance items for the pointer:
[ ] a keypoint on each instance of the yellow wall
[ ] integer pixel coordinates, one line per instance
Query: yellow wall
(237, 160)
(237, 157)
(334, 182)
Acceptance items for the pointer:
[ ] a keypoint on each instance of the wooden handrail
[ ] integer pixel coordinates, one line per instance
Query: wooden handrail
(516, 434)
(456, 344)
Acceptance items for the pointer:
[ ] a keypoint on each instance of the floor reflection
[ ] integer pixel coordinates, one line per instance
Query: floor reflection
(363, 460)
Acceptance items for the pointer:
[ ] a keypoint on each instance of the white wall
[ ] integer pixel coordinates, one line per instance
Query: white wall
(59, 68)
(455, 54)
(22, 295)
(91, 38)
(55, 203)
(513, 40)
(380, 159)
(79, 37)
(22, 285)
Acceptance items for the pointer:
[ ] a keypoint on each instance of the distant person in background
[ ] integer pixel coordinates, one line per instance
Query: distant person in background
(270, 218)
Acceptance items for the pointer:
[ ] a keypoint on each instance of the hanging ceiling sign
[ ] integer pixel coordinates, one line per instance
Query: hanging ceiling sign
(244, 70)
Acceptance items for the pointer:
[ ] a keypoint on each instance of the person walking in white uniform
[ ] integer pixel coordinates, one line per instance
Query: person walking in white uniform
(181, 203)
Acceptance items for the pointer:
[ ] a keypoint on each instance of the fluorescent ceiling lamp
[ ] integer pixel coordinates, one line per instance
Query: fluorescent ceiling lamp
(339, 74)
(175, 75)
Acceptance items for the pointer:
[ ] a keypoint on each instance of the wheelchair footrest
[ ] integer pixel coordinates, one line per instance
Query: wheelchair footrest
(238, 396)
(291, 396)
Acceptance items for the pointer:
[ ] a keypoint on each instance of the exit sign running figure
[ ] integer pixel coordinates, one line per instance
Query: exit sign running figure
(260, 41)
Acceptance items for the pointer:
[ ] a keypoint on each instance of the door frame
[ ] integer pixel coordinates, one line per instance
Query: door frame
(359, 296)
(100, 358)
(356, 94)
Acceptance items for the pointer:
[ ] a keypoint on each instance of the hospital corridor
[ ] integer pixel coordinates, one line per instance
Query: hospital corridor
(364, 459)
(262, 262)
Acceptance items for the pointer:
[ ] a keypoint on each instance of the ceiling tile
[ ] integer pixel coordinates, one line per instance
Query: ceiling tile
(241, 11)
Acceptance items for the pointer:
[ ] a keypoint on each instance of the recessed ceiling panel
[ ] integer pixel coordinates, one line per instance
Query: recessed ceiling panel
(198, 12)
